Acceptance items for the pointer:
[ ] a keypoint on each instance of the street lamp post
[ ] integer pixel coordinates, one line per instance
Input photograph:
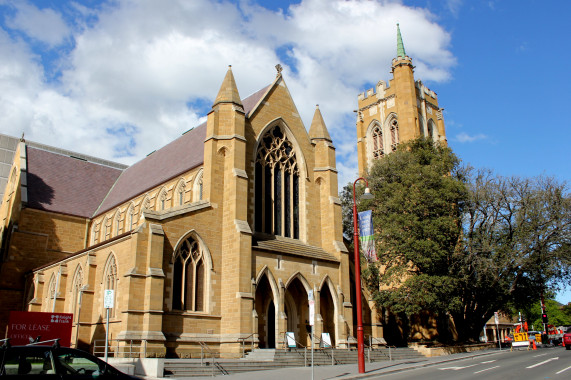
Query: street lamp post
(360, 338)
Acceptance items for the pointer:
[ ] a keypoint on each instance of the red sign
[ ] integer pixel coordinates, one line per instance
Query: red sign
(26, 326)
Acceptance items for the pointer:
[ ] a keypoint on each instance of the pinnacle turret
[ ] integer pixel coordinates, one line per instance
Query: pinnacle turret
(318, 130)
(228, 92)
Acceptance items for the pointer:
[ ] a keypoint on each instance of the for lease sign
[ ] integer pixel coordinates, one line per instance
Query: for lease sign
(25, 326)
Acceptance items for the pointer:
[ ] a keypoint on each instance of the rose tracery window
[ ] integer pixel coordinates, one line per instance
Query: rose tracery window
(394, 127)
(277, 186)
(189, 277)
(378, 146)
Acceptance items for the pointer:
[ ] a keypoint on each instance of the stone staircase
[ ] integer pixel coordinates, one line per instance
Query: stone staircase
(266, 359)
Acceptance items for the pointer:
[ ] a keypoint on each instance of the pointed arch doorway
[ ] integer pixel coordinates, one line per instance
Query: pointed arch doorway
(265, 307)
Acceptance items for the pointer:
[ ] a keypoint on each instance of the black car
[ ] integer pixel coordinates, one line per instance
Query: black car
(53, 361)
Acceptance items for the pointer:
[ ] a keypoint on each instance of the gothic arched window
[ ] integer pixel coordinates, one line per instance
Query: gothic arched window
(50, 296)
(198, 187)
(378, 146)
(277, 185)
(180, 192)
(117, 223)
(189, 277)
(130, 218)
(75, 291)
(394, 128)
(110, 282)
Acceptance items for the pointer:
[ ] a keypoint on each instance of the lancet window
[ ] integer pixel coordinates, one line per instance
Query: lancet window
(76, 291)
(189, 277)
(110, 282)
(394, 128)
(277, 185)
(378, 146)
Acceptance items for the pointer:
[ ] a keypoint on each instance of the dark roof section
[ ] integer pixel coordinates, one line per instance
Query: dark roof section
(65, 184)
(291, 247)
(173, 159)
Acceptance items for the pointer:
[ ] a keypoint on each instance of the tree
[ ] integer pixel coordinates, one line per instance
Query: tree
(462, 243)
(515, 246)
(419, 197)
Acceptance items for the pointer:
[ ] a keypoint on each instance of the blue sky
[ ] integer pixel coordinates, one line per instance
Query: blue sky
(119, 79)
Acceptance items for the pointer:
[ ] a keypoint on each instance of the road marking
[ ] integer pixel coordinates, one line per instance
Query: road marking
(536, 356)
(457, 368)
(489, 361)
(543, 362)
(563, 370)
(487, 369)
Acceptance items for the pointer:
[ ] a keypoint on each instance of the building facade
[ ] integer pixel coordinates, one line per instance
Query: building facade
(403, 110)
(218, 237)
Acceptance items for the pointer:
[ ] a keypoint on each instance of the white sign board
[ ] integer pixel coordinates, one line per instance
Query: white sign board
(496, 317)
(109, 299)
(290, 339)
(311, 313)
(325, 340)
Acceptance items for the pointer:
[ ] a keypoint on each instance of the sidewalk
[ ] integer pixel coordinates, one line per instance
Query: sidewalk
(347, 371)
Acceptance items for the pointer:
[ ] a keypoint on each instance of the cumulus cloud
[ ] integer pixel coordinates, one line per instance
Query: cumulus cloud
(45, 25)
(464, 137)
(139, 73)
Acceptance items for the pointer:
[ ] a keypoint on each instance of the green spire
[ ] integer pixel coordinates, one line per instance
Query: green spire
(400, 45)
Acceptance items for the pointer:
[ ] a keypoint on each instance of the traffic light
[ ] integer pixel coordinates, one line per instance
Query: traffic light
(544, 317)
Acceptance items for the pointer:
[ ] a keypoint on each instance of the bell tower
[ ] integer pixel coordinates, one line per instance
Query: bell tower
(403, 110)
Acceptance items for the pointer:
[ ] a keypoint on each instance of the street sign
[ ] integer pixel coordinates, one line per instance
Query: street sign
(311, 313)
(108, 299)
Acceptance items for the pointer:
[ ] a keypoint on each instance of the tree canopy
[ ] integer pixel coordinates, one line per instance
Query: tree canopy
(459, 242)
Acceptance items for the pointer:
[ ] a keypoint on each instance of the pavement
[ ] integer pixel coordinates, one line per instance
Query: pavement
(350, 371)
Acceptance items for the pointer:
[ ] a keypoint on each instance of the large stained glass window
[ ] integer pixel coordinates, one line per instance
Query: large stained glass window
(277, 186)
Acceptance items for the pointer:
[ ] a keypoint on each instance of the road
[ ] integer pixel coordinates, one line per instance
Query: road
(543, 363)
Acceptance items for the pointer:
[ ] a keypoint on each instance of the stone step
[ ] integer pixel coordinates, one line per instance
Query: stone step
(258, 360)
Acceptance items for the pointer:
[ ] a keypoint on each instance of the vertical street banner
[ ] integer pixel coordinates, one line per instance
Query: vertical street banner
(366, 235)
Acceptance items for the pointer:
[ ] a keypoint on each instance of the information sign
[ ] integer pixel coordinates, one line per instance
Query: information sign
(27, 326)
(109, 299)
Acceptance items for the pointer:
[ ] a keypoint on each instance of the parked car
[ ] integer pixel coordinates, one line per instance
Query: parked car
(55, 362)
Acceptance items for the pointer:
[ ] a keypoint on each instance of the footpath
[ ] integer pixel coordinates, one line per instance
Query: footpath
(349, 371)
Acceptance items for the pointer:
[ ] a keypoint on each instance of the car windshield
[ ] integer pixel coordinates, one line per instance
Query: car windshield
(29, 361)
(74, 362)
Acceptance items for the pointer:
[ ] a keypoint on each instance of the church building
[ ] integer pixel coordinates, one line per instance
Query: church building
(217, 238)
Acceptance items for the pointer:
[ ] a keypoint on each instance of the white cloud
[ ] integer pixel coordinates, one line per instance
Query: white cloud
(464, 137)
(45, 25)
(134, 68)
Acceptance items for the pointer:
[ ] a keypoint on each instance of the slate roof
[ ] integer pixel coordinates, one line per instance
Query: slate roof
(175, 158)
(291, 247)
(67, 185)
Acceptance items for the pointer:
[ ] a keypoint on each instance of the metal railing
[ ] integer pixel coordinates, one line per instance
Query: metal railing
(204, 348)
(121, 348)
(326, 346)
(285, 346)
(252, 338)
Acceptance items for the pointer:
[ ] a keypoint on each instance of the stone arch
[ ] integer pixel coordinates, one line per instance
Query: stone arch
(296, 307)
(110, 281)
(116, 227)
(433, 131)
(197, 187)
(180, 188)
(130, 221)
(293, 169)
(161, 201)
(267, 308)
(75, 289)
(191, 244)
(146, 203)
(329, 309)
(105, 229)
(392, 128)
(51, 290)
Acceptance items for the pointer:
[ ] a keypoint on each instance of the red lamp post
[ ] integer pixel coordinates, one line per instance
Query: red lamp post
(360, 337)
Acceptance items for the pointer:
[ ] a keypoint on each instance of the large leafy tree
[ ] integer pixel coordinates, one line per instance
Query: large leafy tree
(515, 247)
(419, 197)
(459, 242)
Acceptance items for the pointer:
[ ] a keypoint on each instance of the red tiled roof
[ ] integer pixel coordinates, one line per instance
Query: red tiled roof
(173, 159)
(67, 185)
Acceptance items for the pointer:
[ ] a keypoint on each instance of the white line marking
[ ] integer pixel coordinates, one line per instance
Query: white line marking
(543, 362)
(487, 369)
(489, 361)
(563, 370)
(457, 368)
(536, 356)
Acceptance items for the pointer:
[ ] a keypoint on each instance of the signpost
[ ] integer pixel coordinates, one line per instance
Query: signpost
(311, 323)
(108, 301)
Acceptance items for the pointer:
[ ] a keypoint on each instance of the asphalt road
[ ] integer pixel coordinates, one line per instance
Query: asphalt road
(543, 363)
